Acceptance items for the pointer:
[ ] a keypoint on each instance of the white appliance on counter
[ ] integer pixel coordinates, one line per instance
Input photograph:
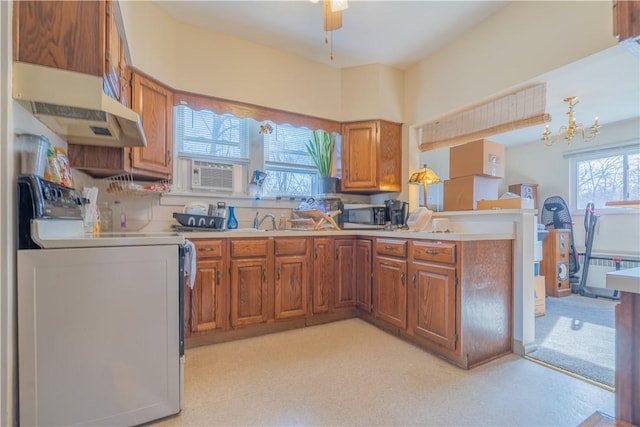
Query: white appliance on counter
(99, 318)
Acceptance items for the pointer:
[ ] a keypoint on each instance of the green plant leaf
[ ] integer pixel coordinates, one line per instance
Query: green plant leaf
(320, 148)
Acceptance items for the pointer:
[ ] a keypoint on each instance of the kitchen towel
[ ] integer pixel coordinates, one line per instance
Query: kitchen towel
(190, 262)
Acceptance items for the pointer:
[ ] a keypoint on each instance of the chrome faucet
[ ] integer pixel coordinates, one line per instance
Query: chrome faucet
(257, 223)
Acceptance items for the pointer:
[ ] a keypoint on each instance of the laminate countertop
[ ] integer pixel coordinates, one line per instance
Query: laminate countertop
(401, 234)
(624, 280)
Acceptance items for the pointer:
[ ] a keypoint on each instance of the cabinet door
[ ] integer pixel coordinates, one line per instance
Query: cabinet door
(292, 275)
(391, 290)
(154, 103)
(363, 275)
(344, 290)
(112, 54)
(207, 308)
(433, 304)
(359, 144)
(626, 19)
(249, 296)
(323, 274)
(62, 34)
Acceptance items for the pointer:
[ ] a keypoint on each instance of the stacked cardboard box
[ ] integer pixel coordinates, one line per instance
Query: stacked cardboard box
(475, 170)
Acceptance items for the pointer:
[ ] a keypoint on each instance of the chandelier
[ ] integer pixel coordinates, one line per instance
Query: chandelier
(332, 13)
(568, 132)
(424, 176)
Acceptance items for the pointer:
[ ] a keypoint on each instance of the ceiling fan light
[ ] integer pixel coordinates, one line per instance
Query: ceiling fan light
(339, 5)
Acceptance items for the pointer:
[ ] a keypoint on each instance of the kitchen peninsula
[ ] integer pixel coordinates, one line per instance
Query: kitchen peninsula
(450, 293)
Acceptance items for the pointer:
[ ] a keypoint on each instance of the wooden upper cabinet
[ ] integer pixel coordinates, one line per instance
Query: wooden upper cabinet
(154, 103)
(371, 157)
(117, 74)
(61, 34)
(626, 19)
(81, 36)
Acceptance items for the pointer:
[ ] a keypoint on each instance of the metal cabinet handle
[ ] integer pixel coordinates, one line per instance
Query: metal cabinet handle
(389, 247)
(205, 249)
(278, 273)
(414, 280)
(218, 278)
(432, 252)
(264, 274)
(402, 278)
(169, 158)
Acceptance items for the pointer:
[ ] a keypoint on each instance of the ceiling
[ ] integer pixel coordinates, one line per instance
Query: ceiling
(401, 33)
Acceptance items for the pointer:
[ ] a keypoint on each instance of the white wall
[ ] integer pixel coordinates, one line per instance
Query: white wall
(617, 234)
(8, 348)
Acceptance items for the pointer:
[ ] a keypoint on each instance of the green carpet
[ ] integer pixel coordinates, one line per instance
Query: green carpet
(577, 334)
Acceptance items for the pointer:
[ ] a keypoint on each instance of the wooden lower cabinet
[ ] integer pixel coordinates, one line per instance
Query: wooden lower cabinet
(344, 289)
(389, 278)
(460, 299)
(390, 290)
(250, 280)
(205, 304)
(292, 271)
(451, 298)
(323, 275)
(432, 314)
(364, 275)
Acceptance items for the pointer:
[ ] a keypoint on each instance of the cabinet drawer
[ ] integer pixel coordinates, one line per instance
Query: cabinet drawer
(208, 248)
(249, 248)
(392, 247)
(434, 251)
(286, 246)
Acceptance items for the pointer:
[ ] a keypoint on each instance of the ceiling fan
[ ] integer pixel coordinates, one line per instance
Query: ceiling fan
(332, 13)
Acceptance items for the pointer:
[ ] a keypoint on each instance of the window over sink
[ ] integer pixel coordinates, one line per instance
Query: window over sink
(202, 135)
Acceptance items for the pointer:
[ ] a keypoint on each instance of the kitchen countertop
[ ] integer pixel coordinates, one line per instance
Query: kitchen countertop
(401, 234)
(624, 280)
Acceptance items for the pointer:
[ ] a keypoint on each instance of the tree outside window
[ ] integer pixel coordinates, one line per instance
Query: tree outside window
(608, 177)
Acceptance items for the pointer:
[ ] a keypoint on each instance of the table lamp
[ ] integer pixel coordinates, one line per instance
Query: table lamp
(424, 176)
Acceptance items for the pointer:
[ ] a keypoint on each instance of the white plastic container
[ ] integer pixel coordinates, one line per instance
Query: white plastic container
(33, 154)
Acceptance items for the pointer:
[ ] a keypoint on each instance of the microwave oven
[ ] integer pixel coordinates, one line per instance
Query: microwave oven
(363, 216)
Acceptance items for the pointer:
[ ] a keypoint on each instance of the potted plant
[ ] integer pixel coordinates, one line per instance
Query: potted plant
(321, 149)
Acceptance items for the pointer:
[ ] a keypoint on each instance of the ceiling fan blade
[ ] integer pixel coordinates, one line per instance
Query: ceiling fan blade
(332, 20)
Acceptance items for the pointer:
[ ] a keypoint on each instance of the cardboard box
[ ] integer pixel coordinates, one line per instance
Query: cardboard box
(462, 194)
(540, 294)
(481, 157)
(511, 203)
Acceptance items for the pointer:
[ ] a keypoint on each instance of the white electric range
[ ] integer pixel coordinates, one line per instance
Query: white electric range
(99, 317)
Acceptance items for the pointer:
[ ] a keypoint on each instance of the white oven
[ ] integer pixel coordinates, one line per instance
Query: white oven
(99, 318)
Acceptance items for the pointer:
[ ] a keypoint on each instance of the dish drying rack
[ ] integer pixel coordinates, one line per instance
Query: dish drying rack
(124, 185)
(314, 219)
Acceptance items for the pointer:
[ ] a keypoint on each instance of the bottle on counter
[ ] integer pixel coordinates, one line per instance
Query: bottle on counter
(232, 223)
(282, 224)
(122, 214)
(106, 217)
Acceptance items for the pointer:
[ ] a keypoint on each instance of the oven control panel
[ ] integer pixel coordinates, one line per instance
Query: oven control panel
(39, 198)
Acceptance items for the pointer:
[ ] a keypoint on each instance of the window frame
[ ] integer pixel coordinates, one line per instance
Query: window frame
(623, 148)
(242, 111)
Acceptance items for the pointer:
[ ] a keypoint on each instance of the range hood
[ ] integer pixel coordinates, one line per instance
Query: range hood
(75, 106)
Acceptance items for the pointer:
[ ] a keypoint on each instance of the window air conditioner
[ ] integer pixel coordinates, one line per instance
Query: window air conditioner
(211, 176)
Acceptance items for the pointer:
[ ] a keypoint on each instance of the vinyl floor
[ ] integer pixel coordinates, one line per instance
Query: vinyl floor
(350, 373)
